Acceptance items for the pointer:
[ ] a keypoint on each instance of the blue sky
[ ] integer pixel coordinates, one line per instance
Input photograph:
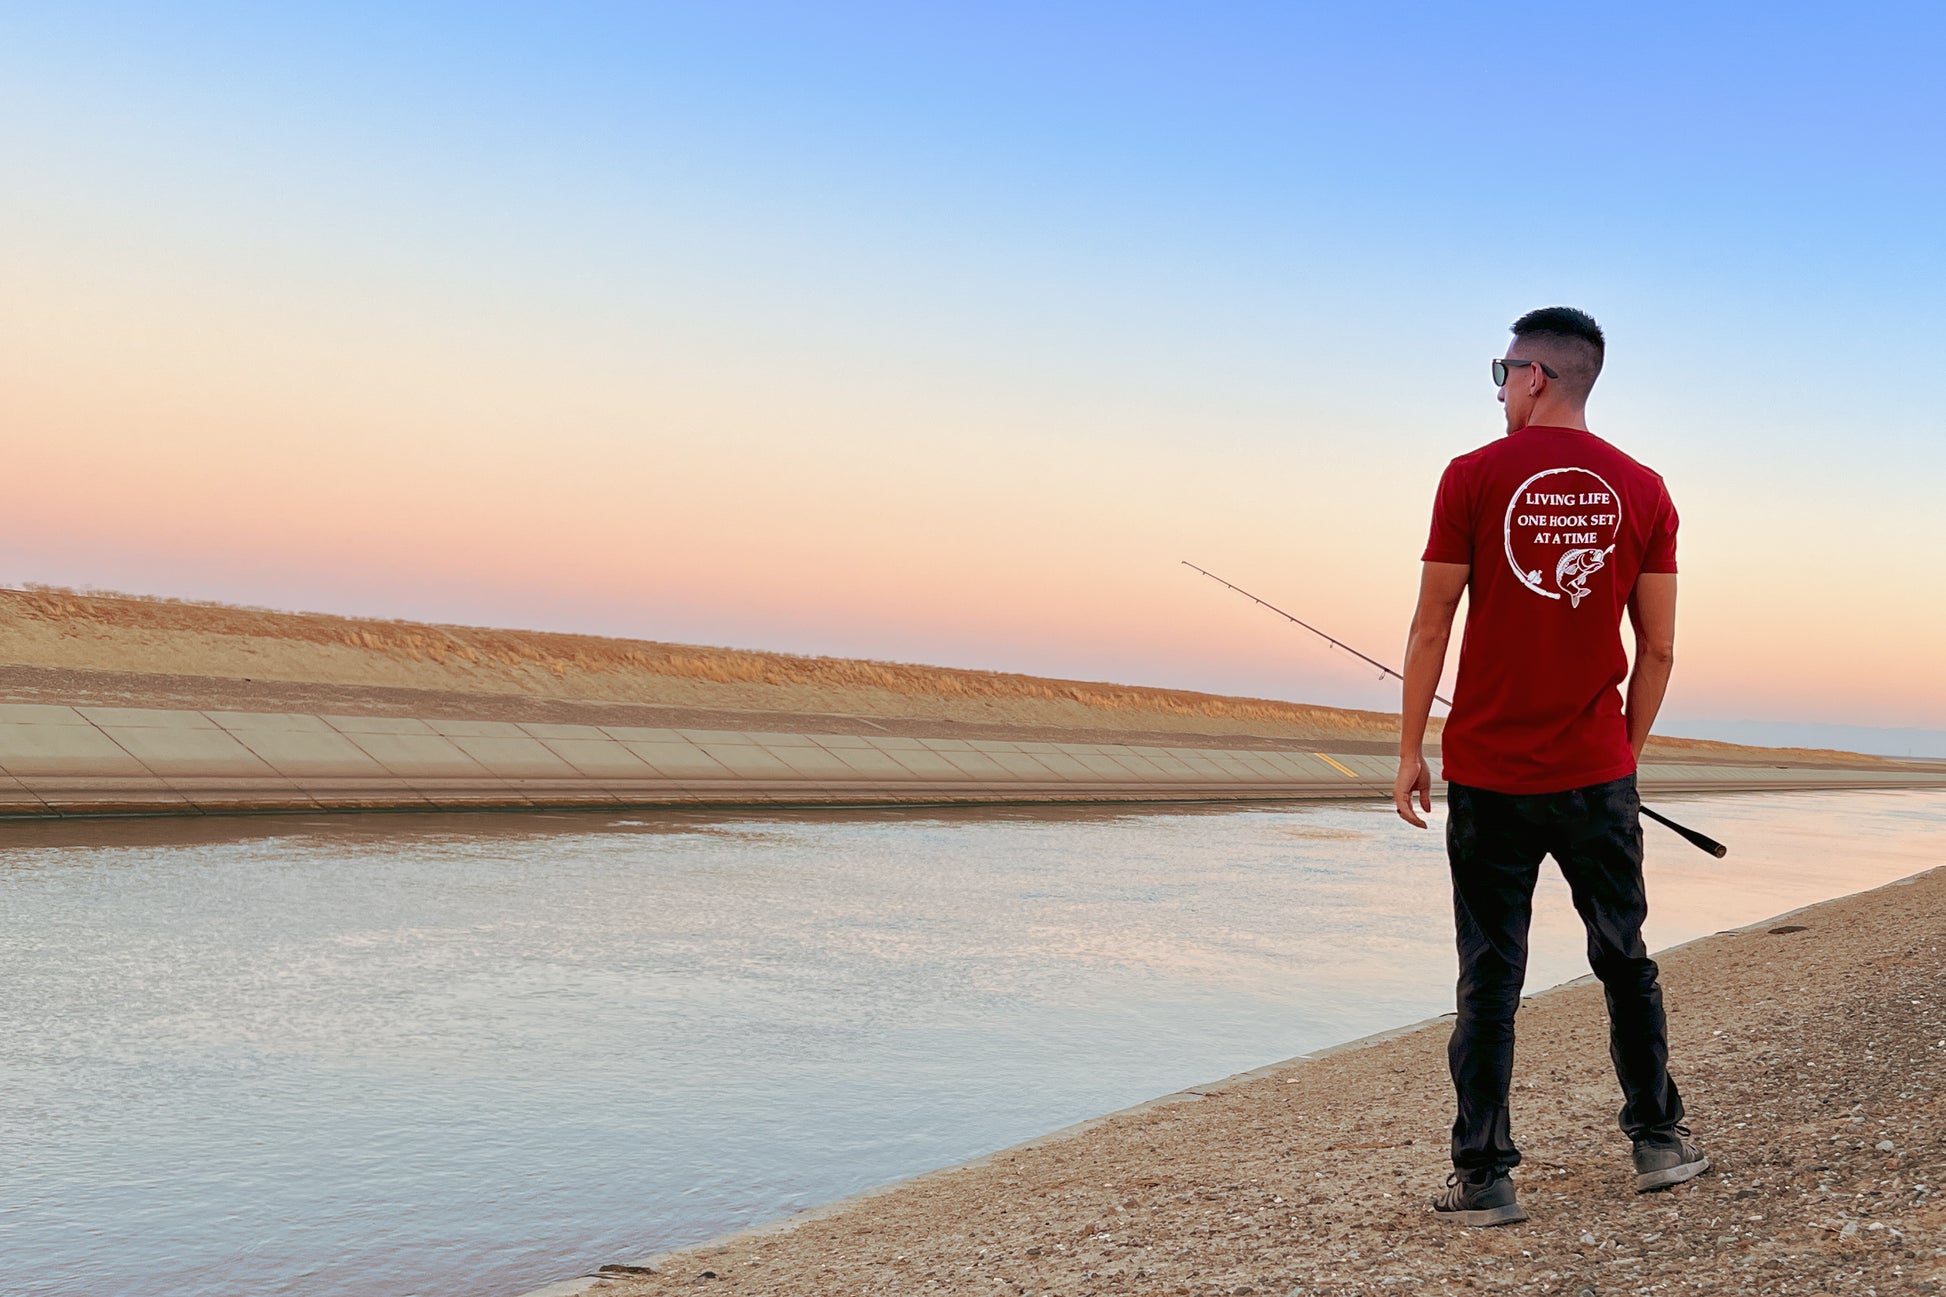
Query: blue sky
(1217, 277)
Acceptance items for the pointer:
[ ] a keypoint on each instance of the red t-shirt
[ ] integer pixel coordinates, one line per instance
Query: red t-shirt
(1556, 524)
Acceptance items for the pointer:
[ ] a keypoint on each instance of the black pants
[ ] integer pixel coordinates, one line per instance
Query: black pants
(1494, 842)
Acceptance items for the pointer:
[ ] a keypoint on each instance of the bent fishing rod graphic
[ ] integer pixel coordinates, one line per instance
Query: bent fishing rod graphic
(1702, 841)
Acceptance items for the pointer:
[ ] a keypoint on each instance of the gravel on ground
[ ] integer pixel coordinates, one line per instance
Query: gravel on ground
(1810, 1052)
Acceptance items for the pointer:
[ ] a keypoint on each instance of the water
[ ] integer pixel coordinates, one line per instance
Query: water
(392, 1055)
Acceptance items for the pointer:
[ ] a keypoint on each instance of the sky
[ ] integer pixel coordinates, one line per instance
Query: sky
(944, 332)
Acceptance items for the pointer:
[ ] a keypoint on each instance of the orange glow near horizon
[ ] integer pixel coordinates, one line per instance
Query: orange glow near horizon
(814, 519)
(992, 550)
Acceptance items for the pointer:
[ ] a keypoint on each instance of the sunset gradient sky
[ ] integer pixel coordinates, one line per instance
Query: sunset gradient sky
(942, 332)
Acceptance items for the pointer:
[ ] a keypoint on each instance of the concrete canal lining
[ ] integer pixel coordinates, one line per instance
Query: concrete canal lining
(74, 761)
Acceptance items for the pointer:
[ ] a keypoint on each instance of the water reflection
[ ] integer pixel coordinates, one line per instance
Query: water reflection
(412, 1053)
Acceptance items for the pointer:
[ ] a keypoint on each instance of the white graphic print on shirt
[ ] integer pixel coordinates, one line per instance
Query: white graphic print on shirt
(1560, 529)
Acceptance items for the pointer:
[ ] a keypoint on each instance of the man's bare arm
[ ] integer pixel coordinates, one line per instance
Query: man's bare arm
(1652, 610)
(1440, 588)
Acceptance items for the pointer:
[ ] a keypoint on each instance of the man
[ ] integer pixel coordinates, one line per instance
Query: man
(1553, 532)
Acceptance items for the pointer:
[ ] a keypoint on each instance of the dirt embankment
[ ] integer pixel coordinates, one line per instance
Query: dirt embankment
(1810, 1054)
(120, 650)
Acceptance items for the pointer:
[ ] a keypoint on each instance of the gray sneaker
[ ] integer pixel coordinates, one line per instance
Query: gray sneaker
(1667, 1158)
(1479, 1198)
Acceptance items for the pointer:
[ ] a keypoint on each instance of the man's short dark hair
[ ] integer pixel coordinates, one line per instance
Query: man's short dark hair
(1576, 337)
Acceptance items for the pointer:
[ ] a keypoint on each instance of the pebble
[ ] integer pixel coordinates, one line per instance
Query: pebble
(1883, 1146)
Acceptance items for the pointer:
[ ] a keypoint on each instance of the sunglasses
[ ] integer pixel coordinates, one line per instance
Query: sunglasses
(1500, 368)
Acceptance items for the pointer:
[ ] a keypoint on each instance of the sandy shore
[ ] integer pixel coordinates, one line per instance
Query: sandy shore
(1810, 1051)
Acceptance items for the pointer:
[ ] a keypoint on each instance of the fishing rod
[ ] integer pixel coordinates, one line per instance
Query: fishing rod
(1696, 839)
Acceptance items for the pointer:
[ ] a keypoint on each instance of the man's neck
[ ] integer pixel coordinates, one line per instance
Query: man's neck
(1558, 417)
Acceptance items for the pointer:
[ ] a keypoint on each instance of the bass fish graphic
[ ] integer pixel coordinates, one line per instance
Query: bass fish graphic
(1574, 569)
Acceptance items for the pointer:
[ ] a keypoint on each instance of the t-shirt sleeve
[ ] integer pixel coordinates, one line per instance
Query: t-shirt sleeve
(1661, 553)
(1451, 540)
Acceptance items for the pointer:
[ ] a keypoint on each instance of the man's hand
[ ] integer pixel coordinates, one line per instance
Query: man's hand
(1413, 778)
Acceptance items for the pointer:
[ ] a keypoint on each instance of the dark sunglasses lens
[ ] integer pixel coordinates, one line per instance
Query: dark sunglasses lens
(1499, 373)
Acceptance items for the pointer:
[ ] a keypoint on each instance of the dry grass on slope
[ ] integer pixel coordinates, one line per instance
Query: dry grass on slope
(497, 659)
(47, 626)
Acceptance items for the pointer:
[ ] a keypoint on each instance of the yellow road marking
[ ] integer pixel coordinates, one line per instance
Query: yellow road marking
(1346, 771)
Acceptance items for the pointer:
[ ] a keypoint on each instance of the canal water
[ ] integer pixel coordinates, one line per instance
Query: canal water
(387, 1055)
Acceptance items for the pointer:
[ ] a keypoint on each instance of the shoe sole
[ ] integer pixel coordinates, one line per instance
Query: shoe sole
(1482, 1217)
(1675, 1175)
